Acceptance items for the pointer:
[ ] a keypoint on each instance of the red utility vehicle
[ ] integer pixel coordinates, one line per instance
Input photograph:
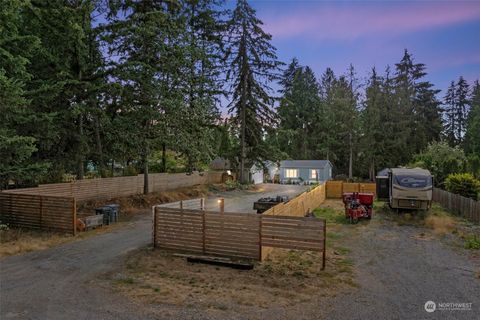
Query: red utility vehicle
(358, 205)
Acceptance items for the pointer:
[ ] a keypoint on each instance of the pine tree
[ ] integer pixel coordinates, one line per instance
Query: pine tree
(373, 124)
(201, 85)
(326, 126)
(461, 108)
(472, 134)
(419, 117)
(254, 65)
(449, 105)
(288, 76)
(298, 112)
(143, 35)
(16, 50)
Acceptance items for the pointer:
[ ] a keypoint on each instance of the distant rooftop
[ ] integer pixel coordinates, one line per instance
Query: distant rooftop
(304, 163)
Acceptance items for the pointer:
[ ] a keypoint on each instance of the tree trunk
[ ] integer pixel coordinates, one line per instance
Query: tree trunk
(242, 147)
(80, 169)
(164, 157)
(98, 140)
(350, 160)
(243, 105)
(145, 171)
(371, 171)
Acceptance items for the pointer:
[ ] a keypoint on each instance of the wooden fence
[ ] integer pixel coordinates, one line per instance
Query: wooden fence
(237, 235)
(457, 204)
(38, 212)
(105, 188)
(335, 189)
(53, 206)
(301, 205)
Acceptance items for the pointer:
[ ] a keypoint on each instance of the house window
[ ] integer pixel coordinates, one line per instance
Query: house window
(313, 174)
(291, 173)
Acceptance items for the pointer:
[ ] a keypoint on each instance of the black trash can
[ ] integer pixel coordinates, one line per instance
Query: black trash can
(107, 214)
(115, 212)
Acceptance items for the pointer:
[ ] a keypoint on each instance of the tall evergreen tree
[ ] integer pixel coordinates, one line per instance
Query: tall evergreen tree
(472, 134)
(65, 81)
(372, 119)
(16, 50)
(201, 75)
(144, 36)
(298, 113)
(288, 76)
(449, 105)
(461, 108)
(253, 65)
(419, 115)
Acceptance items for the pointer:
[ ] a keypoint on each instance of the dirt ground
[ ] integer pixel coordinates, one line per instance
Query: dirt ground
(386, 268)
(403, 261)
(67, 281)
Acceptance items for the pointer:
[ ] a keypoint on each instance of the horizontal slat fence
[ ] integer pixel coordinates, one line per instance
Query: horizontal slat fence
(105, 188)
(45, 206)
(38, 212)
(196, 231)
(232, 234)
(457, 204)
(300, 205)
(297, 207)
(236, 235)
(335, 189)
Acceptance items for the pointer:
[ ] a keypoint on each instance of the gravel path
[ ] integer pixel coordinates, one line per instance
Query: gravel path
(58, 283)
(400, 269)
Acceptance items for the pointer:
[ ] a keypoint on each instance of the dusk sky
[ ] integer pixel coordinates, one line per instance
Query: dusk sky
(445, 35)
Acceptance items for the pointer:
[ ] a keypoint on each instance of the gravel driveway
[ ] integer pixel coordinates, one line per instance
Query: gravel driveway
(59, 283)
(402, 267)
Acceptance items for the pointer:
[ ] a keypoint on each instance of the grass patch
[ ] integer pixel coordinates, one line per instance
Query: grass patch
(20, 240)
(331, 215)
(17, 240)
(230, 186)
(437, 219)
(286, 278)
(472, 242)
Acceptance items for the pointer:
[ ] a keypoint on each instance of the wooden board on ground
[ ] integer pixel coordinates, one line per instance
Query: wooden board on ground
(218, 261)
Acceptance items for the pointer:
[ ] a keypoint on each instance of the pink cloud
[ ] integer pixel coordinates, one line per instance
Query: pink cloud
(342, 22)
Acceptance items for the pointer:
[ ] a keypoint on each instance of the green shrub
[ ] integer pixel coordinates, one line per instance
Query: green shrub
(472, 243)
(130, 171)
(463, 184)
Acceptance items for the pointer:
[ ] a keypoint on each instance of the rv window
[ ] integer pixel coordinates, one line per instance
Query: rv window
(412, 181)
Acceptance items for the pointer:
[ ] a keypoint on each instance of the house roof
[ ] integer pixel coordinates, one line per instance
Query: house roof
(220, 164)
(407, 171)
(320, 164)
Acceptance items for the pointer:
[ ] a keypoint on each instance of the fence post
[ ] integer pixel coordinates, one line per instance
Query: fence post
(221, 203)
(41, 212)
(74, 214)
(154, 220)
(324, 243)
(259, 237)
(202, 203)
(181, 205)
(203, 231)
